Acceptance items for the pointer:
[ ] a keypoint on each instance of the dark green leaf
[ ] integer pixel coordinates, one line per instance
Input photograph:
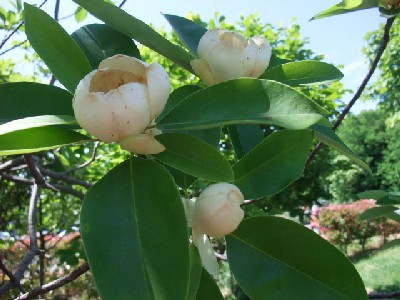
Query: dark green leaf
(182, 179)
(208, 289)
(376, 212)
(275, 258)
(137, 30)
(394, 216)
(327, 136)
(27, 99)
(194, 157)
(135, 234)
(303, 73)
(99, 41)
(373, 194)
(39, 121)
(273, 164)
(243, 101)
(346, 6)
(195, 272)
(245, 137)
(276, 61)
(38, 139)
(55, 46)
(188, 31)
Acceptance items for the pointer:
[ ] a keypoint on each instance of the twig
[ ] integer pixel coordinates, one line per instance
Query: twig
(4, 167)
(9, 274)
(33, 249)
(34, 170)
(122, 3)
(56, 10)
(85, 164)
(13, 47)
(55, 284)
(382, 47)
(66, 178)
(390, 295)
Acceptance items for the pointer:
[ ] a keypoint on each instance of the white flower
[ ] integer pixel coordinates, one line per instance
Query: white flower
(216, 213)
(117, 102)
(225, 55)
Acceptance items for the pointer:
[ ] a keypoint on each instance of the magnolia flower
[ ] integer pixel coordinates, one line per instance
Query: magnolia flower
(117, 102)
(216, 213)
(225, 55)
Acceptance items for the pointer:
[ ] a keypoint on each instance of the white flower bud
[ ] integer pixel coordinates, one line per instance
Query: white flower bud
(217, 211)
(225, 55)
(118, 101)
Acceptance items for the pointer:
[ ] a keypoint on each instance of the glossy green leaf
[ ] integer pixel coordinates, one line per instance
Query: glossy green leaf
(346, 6)
(376, 212)
(327, 136)
(38, 139)
(276, 61)
(39, 121)
(245, 137)
(27, 99)
(373, 194)
(273, 164)
(188, 31)
(195, 272)
(276, 258)
(303, 73)
(137, 30)
(194, 157)
(208, 289)
(394, 216)
(55, 46)
(243, 101)
(135, 234)
(182, 179)
(99, 41)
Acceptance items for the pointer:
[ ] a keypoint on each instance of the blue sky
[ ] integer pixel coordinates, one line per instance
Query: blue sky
(339, 38)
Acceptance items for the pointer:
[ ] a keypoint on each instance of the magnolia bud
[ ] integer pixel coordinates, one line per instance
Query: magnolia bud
(225, 55)
(117, 102)
(217, 211)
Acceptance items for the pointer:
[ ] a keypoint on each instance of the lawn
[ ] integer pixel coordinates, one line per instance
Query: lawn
(380, 269)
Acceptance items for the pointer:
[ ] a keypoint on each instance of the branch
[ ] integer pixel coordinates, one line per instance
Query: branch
(33, 249)
(55, 284)
(9, 274)
(390, 295)
(11, 164)
(66, 178)
(85, 164)
(382, 47)
(13, 47)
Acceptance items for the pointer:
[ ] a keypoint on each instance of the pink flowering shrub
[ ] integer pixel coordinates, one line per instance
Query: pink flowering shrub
(339, 224)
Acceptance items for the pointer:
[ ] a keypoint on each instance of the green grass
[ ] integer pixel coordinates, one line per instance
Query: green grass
(380, 269)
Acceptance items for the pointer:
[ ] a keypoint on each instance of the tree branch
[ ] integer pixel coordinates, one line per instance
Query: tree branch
(66, 178)
(382, 47)
(85, 164)
(390, 295)
(55, 284)
(9, 274)
(4, 167)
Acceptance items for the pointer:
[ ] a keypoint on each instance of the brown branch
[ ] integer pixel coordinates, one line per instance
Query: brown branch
(55, 284)
(9, 274)
(8, 165)
(34, 169)
(33, 249)
(357, 95)
(390, 295)
(66, 178)
(85, 164)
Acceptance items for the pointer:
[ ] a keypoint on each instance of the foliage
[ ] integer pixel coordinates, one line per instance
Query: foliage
(339, 223)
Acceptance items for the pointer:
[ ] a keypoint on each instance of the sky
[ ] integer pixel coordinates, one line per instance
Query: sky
(339, 38)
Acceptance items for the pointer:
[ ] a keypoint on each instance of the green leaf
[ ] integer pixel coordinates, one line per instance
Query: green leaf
(38, 139)
(195, 272)
(346, 6)
(54, 45)
(137, 30)
(188, 31)
(99, 41)
(27, 99)
(394, 216)
(39, 121)
(194, 157)
(327, 136)
(274, 164)
(135, 234)
(303, 73)
(376, 212)
(275, 258)
(243, 101)
(245, 137)
(80, 14)
(276, 61)
(373, 194)
(208, 289)
(182, 179)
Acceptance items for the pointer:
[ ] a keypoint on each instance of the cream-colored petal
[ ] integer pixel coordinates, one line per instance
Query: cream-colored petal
(202, 69)
(142, 144)
(126, 63)
(249, 58)
(225, 62)
(233, 39)
(159, 88)
(207, 255)
(208, 41)
(263, 57)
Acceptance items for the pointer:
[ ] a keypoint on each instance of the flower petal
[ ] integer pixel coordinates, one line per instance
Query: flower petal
(208, 41)
(207, 255)
(159, 87)
(142, 144)
(202, 69)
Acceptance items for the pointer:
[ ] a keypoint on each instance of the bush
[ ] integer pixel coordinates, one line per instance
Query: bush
(339, 224)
